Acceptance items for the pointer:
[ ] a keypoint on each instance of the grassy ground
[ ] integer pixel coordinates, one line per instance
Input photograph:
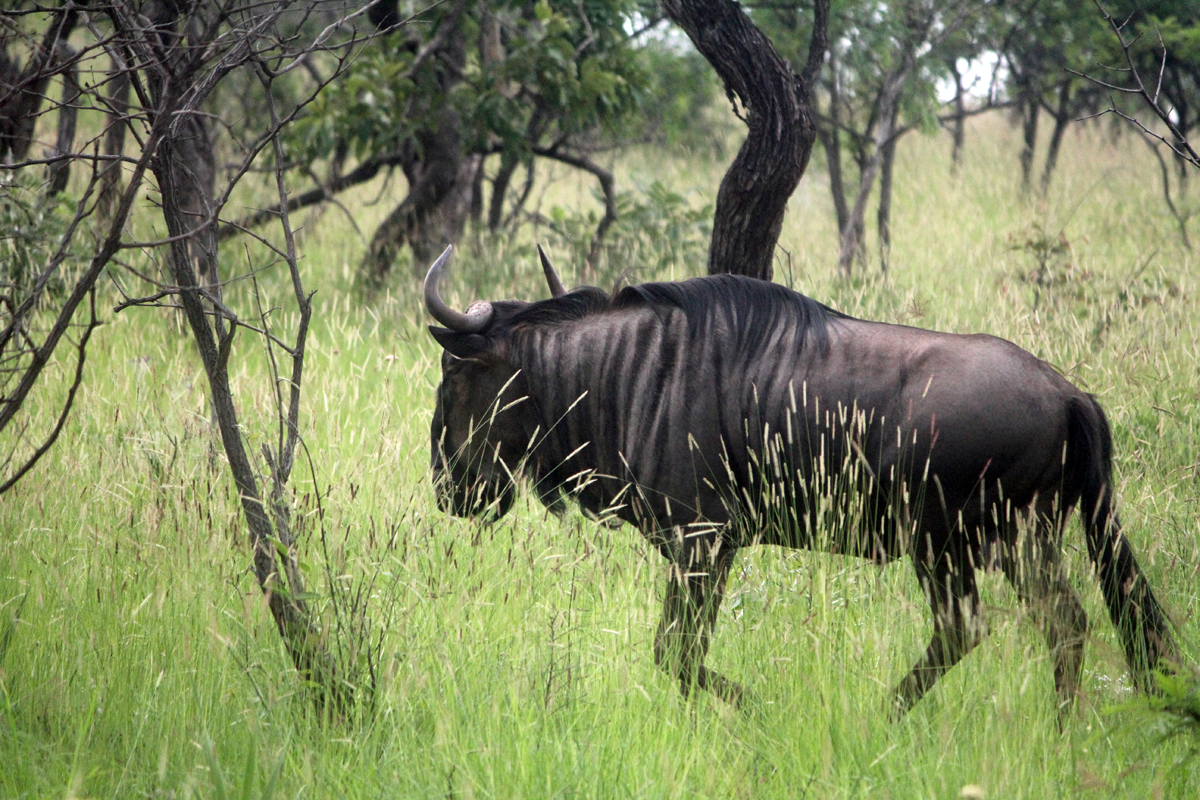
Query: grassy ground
(137, 660)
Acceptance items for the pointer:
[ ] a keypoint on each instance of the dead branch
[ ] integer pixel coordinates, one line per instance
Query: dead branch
(166, 61)
(1180, 146)
(607, 187)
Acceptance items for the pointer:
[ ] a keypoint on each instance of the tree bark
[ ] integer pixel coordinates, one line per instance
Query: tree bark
(285, 599)
(958, 129)
(831, 140)
(1030, 107)
(831, 143)
(778, 109)
(22, 90)
(508, 166)
(195, 184)
(440, 178)
(1062, 118)
(435, 210)
(889, 98)
(883, 217)
(114, 138)
(68, 112)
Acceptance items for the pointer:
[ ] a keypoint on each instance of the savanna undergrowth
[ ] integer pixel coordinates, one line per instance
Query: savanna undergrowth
(514, 660)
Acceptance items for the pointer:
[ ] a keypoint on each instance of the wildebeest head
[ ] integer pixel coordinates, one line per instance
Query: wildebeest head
(480, 431)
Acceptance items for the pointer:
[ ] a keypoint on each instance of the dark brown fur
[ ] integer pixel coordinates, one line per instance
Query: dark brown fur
(724, 412)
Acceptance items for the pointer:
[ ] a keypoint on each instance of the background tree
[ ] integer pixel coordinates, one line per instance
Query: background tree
(464, 101)
(172, 59)
(1161, 39)
(1039, 41)
(884, 62)
(778, 110)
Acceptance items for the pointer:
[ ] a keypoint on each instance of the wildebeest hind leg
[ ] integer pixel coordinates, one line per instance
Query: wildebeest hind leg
(1033, 567)
(694, 592)
(958, 624)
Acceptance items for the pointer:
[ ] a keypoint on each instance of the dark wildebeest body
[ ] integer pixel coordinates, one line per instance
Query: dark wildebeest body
(723, 412)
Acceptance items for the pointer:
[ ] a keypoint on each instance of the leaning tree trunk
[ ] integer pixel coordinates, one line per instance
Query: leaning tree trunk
(884, 217)
(1030, 107)
(441, 176)
(195, 183)
(178, 140)
(1062, 118)
(778, 106)
(958, 129)
(831, 140)
(889, 98)
(435, 210)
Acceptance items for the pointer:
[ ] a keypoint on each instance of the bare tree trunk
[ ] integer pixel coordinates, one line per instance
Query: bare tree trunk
(114, 138)
(22, 90)
(68, 112)
(476, 213)
(288, 609)
(831, 141)
(889, 97)
(447, 222)
(958, 126)
(195, 184)
(1179, 211)
(519, 204)
(508, 166)
(754, 193)
(1062, 118)
(1030, 107)
(884, 216)
(437, 204)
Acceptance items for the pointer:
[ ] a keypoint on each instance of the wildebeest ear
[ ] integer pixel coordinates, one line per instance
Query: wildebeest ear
(463, 345)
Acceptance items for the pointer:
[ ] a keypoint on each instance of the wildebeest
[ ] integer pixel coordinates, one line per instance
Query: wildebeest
(720, 412)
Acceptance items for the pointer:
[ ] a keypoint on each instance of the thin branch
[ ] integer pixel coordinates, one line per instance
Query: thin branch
(361, 174)
(81, 349)
(607, 186)
(1180, 147)
(304, 302)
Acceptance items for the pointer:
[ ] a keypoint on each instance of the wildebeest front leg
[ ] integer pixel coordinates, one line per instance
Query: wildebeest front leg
(693, 596)
(958, 625)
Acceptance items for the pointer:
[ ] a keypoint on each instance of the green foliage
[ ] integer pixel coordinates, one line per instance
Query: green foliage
(867, 39)
(1172, 712)
(517, 657)
(678, 106)
(656, 229)
(1053, 44)
(560, 69)
(31, 226)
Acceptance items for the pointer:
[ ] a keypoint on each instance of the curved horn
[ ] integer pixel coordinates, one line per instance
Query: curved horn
(478, 315)
(556, 285)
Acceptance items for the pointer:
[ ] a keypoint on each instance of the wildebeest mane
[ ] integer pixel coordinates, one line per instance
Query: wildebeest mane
(574, 305)
(754, 309)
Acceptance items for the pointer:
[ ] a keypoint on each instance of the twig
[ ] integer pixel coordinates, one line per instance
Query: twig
(68, 404)
(1180, 147)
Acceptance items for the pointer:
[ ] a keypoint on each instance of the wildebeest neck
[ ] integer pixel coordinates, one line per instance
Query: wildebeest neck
(641, 403)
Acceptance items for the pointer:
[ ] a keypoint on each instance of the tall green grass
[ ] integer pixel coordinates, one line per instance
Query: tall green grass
(137, 659)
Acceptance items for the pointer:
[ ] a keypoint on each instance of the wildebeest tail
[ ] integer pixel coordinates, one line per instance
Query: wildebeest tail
(1140, 621)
